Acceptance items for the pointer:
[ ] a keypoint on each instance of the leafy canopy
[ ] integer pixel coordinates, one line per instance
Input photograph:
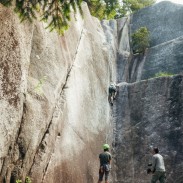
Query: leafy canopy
(131, 6)
(140, 40)
(103, 9)
(58, 12)
(106, 9)
(135, 5)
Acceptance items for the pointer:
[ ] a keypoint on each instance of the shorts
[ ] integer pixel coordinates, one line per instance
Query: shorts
(103, 172)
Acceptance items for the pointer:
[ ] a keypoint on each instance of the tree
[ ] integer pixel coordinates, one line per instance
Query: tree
(56, 12)
(140, 40)
(131, 6)
(103, 9)
(135, 5)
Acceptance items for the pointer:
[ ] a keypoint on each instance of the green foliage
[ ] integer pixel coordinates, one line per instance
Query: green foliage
(135, 5)
(55, 12)
(38, 88)
(28, 180)
(109, 9)
(121, 11)
(18, 181)
(140, 40)
(103, 9)
(96, 7)
(163, 74)
(60, 13)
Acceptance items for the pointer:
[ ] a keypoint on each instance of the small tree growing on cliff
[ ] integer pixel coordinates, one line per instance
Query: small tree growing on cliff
(140, 40)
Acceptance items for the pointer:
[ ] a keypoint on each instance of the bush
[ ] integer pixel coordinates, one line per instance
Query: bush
(18, 181)
(28, 180)
(140, 40)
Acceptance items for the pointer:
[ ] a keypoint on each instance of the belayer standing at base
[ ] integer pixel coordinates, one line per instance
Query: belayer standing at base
(157, 167)
(112, 93)
(105, 164)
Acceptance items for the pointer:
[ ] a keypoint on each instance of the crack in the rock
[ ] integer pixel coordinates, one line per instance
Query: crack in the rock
(121, 31)
(3, 160)
(4, 174)
(44, 173)
(55, 111)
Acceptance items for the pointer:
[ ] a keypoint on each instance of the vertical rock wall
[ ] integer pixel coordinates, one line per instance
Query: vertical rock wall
(54, 113)
(165, 24)
(148, 111)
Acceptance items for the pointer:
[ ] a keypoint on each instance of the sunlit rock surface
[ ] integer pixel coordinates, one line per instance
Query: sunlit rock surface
(53, 98)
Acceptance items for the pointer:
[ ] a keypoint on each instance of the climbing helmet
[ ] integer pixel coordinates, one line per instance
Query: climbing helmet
(106, 146)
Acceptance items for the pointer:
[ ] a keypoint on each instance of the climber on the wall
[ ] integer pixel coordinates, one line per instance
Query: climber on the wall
(112, 93)
(105, 164)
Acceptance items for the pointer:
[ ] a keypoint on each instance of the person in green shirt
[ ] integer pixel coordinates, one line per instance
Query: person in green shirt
(105, 164)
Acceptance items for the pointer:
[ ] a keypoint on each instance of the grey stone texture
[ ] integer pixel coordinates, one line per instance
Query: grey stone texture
(164, 20)
(149, 113)
(165, 23)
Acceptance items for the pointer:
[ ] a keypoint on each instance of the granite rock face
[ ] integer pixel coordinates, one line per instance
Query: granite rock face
(165, 23)
(149, 111)
(165, 58)
(163, 20)
(54, 113)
